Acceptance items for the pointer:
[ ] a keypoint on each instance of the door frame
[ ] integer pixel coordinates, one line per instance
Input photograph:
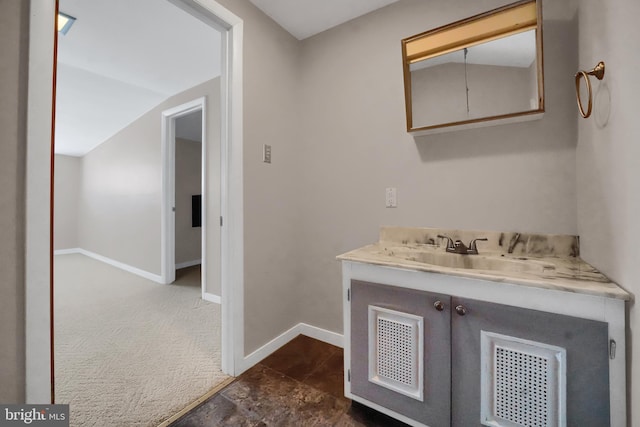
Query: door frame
(231, 28)
(168, 221)
(39, 382)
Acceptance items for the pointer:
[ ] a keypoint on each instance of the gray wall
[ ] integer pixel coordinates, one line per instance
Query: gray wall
(608, 159)
(14, 31)
(439, 92)
(188, 183)
(120, 196)
(271, 191)
(67, 180)
(518, 177)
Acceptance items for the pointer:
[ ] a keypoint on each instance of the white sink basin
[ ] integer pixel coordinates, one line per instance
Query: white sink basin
(473, 262)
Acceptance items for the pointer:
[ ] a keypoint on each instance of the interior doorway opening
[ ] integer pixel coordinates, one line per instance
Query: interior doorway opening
(189, 196)
(39, 254)
(178, 241)
(191, 177)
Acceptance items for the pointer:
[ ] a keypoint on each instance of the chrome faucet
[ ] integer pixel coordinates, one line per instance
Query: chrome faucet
(458, 247)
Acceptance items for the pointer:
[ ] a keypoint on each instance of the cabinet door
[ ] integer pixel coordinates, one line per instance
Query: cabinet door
(521, 360)
(388, 365)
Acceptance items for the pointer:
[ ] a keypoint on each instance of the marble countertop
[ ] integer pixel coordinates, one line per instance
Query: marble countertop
(542, 261)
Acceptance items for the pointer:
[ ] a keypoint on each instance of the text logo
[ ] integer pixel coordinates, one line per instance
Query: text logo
(34, 415)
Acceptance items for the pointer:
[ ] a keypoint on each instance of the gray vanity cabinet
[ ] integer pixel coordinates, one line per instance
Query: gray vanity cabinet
(521, 352)
(441, 360)
(385, 365)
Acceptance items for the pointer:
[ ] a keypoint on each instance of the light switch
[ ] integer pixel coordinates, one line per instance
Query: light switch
(391, 200)
(266, 153)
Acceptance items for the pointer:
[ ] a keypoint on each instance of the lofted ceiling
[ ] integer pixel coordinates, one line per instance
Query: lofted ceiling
(121, 58)
(516, 50)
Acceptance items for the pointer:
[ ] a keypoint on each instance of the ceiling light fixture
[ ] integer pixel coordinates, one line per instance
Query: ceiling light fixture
(65, 22)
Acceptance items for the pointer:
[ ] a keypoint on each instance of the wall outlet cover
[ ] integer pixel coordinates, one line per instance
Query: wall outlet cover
(391, 199)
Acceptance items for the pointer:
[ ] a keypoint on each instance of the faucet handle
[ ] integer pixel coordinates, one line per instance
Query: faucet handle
(473, 249)
(450, 245)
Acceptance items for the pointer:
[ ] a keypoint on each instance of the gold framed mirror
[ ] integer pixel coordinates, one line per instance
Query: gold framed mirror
(481, 71)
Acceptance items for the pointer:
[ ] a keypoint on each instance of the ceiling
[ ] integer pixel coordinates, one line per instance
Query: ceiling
(517, 50)
(305, 18)
(190, 126)
(116, 62)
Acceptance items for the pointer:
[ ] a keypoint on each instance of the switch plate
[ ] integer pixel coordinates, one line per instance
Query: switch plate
(266, 153)
(391, 200)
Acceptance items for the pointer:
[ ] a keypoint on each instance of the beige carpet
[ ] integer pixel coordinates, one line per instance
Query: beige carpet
(128, 351)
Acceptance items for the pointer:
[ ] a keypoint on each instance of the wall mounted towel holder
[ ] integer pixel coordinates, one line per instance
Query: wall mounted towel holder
(598, 72)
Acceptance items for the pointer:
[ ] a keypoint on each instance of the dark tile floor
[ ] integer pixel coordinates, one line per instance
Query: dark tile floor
(301, 384)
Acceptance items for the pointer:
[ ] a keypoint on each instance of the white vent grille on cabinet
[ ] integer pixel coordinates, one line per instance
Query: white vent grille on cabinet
(395, 351)
(523, 382)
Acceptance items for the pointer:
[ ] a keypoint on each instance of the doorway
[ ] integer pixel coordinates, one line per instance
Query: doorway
(186, 193)
(39, 290)
(189, 196)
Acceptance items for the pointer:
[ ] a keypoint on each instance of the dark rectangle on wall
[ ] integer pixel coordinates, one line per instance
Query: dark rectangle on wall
(196, 211)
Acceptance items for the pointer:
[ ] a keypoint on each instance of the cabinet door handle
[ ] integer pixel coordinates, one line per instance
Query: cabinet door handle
(461, 310)
(438, 305)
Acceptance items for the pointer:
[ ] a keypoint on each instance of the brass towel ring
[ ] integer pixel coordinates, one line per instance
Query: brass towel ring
(598, 72)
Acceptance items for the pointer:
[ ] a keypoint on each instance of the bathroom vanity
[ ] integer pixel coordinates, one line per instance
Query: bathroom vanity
(523, 333)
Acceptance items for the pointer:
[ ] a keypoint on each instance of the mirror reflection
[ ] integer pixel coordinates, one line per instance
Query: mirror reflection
(489, 79)
(482, 70)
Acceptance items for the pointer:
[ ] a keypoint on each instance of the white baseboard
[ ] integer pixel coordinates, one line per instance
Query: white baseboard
(323, 335)
(212, 298)
(188, 264)
(66, 251)
(282, 339)
(126, 267)
(270, 347)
